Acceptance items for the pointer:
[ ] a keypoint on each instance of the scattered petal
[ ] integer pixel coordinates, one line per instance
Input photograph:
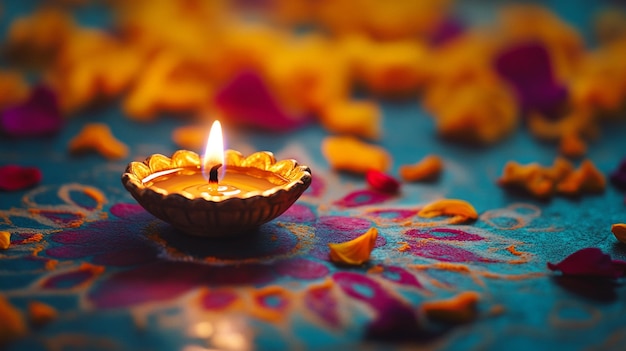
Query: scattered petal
(586, 179)
(619, 230)
(12, 324)
(352, 155)
(160, 86)
(537, 180)
(190, 137)
(13, 88)
(447, 30)
(247, 100)
(38, 115)
(480, 112)
(40, 313)
(429, 168)
(457, 309)
(396, 322)
(528, 68)
(5, 240)
(590, 262)
(13, 177)
(393, 69)
(462, 211)
(382, 182)
(359, 118)
(618, 177)
(98, 137)
(572, 145)
(356, 251)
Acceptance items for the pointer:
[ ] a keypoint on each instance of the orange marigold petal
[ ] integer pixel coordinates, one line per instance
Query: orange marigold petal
(457, 309)
(572, 145)
(353, 155)
(359, 118)
(41, 313)
(428, 168)
(190, 137)
(462, 211)
(356, 251)
(619, 230)
(5, 240)
(12, 324)
(98, 137)
(586, 179)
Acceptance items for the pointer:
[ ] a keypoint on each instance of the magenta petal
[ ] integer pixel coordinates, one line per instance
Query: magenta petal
(248, 101)
(447, 30)
(618, 177)
(590, 262)
(620, 266)
(39, 115)
(14, 177)
(527, 67)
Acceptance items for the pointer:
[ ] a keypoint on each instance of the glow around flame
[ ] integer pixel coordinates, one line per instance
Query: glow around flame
(214, 151)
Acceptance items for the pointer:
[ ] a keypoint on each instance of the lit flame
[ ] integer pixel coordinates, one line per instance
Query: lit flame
(214, 152)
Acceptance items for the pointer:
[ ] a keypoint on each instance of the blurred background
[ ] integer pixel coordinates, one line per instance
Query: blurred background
(477, 67)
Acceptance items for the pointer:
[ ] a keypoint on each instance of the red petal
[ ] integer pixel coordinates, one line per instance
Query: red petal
(590, 262)
(382, 182)
(13, 177)
(247, 100)
(39, 115)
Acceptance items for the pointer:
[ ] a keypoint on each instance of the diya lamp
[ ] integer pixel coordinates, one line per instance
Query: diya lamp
(220, 194)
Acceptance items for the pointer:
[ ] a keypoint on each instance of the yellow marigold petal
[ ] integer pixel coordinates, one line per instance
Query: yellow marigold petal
(41, 313)
(394, 68)
(356, 251)
(190, 137)
(98, 137)
(353, 155)
(427, 169)
(482, 110)
(586, 179)
(13, 88)
(561, 168)
(462, 211)
(537, 180)
(160, 88)
(359, 118)
(572, 145)
(12, 323)
(593, 179)
(457, 309)
(619, 230)
(5, 240)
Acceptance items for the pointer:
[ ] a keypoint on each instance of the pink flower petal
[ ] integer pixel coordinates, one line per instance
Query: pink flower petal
(618, 177)
(448, 29)
(527, 67)
(590, 262)
(13, 177)
(382, 182)
(39, 115)
(247, 100)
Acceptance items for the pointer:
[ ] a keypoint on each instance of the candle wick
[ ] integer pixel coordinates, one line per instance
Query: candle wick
(213, 174)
